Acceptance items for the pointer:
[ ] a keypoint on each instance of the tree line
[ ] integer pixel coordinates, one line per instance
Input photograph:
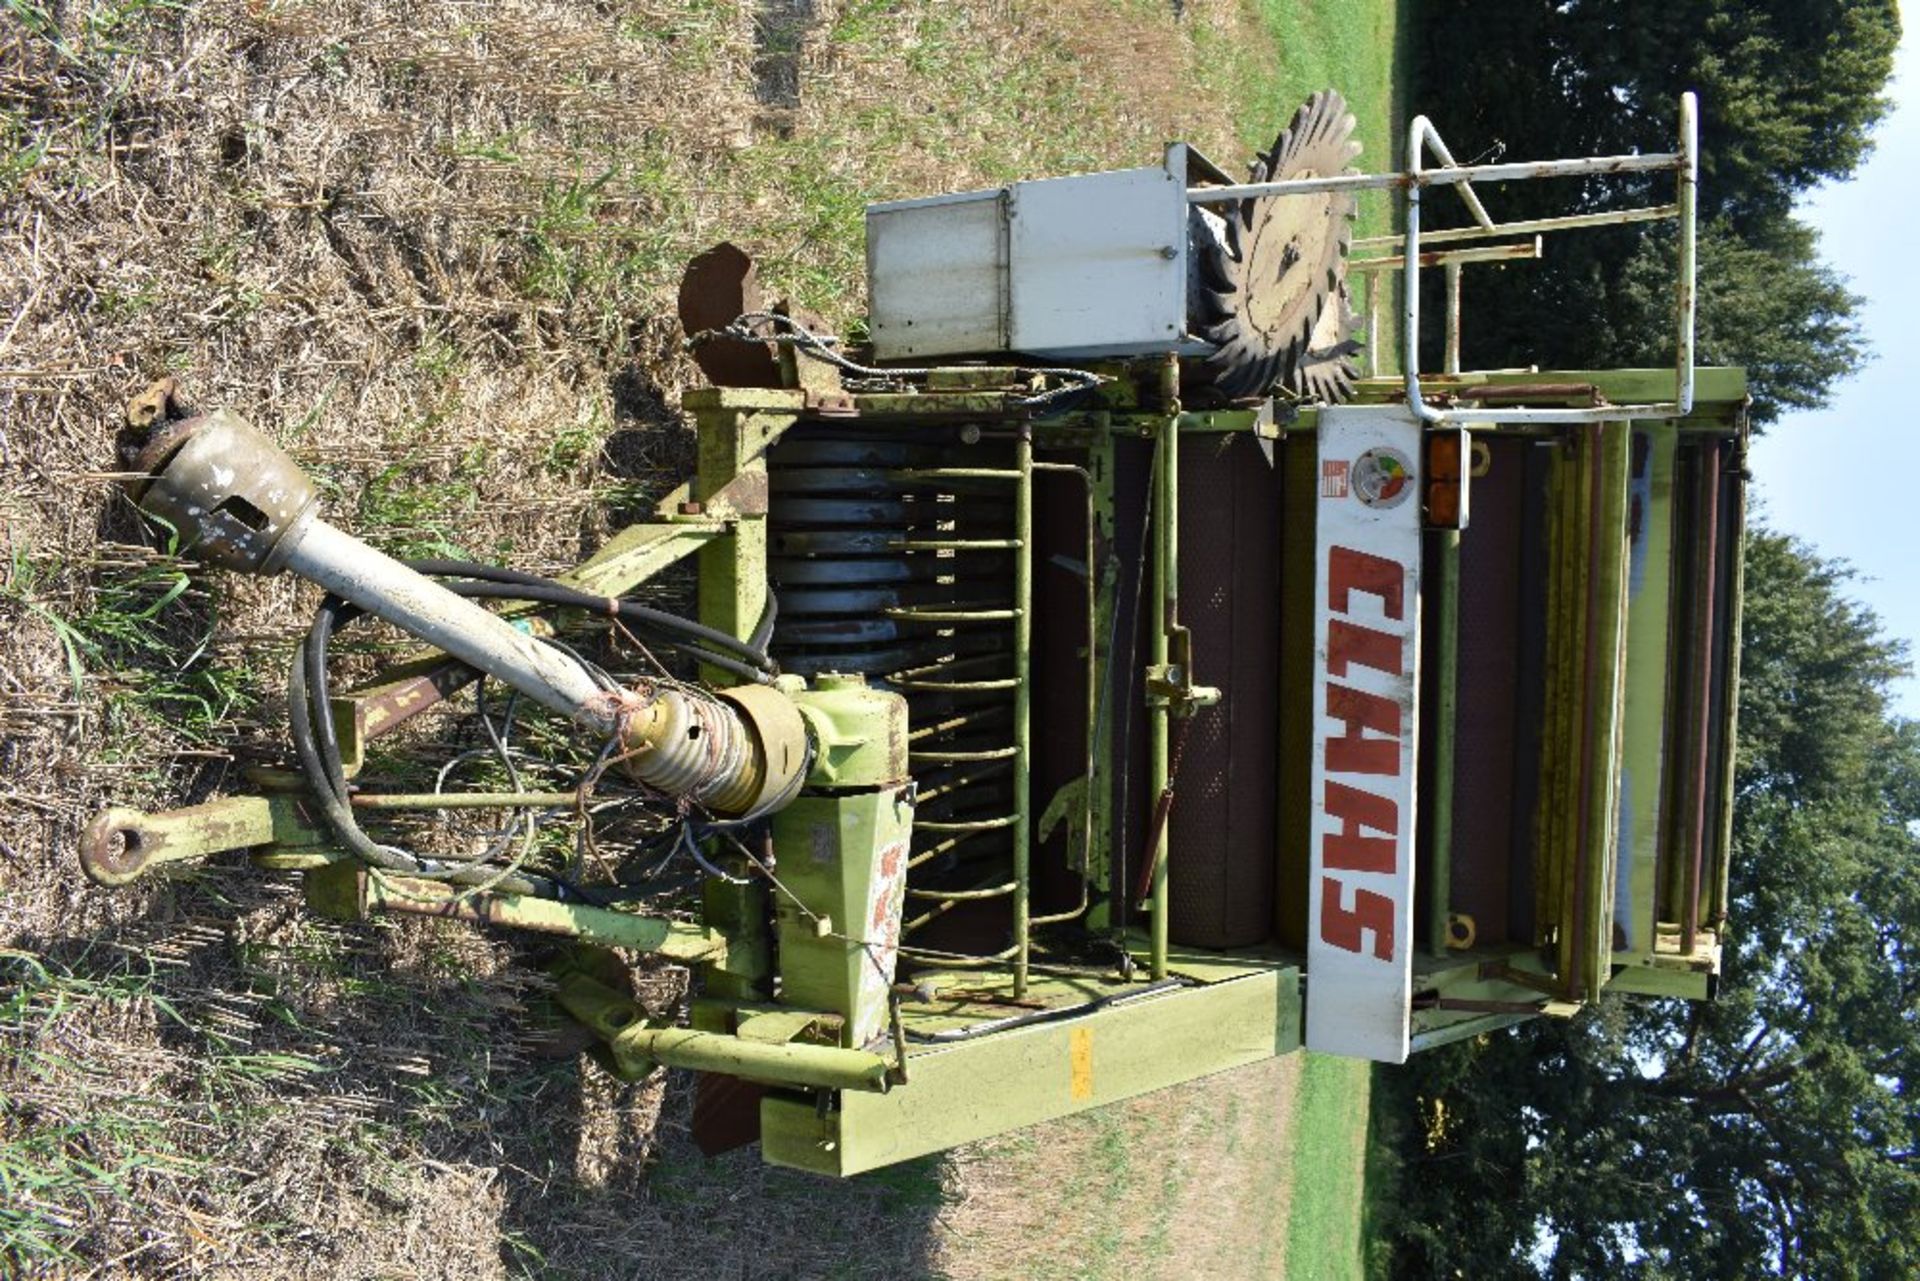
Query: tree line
(1789, 91)
(1774, 1131)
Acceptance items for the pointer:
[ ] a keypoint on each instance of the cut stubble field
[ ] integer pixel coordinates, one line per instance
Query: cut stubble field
(432, 250)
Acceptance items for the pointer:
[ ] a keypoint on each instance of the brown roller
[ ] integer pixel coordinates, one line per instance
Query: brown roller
(1299, 501)
(1485, 760)
(1059, 674)
(1222, 833)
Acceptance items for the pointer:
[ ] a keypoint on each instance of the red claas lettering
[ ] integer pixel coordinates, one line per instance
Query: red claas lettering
(1363, 826)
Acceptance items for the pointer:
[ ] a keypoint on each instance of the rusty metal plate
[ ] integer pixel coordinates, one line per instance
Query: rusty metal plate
(720, 286)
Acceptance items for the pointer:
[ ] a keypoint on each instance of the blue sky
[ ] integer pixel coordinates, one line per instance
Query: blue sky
(1838, 477)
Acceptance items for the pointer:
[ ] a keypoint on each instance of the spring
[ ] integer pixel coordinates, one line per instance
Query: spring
(687, 743)
(891, 553)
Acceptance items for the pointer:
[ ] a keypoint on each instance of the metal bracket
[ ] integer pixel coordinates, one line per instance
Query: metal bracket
(122, 844)
(1170, 684)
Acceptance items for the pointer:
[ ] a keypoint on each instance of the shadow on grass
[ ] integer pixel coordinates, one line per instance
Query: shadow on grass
(314, 1093)
(1379, 1206)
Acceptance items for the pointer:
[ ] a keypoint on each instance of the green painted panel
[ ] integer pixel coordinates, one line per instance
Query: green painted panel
(637, 553)
(972, 1089)
(1577, 813)
(1664, 980)
(1649, 615)
(844, 859)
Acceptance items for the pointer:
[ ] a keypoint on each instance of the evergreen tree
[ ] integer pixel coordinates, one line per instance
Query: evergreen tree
(1774, 1130)
(1789, 91)
(1765, 302)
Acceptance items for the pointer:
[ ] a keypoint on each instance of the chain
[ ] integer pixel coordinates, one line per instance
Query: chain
(821, 347)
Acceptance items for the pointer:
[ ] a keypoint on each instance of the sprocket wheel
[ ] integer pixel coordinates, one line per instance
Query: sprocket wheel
(1325, 373)
(1268, 269)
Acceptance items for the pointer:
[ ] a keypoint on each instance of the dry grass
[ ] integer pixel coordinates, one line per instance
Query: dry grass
(431, 248)
(1191, 1181)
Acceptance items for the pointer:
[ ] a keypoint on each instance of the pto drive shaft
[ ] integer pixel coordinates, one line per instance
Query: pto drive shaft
(236, 500)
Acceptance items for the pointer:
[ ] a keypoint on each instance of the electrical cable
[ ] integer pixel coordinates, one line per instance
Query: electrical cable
(758, 672)
(522, 817)
(821, 347)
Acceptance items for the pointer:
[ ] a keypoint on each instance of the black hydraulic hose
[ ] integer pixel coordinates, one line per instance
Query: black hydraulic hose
(764, 632)
(441, 567)
(333, 612)
(553, 593)
(310, 723)
(566, 599)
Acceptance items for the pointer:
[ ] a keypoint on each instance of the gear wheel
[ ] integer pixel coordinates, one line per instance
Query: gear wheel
(1268, 269)
(1325, 372)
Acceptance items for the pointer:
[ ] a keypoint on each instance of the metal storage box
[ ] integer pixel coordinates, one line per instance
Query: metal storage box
(1081, 267)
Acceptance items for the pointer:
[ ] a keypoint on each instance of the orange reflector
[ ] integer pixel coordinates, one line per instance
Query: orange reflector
(1448, 451)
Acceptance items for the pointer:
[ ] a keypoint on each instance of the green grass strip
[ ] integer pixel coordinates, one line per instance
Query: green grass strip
(1325, 1238)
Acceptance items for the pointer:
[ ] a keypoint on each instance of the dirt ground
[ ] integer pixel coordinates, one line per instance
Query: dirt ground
(431, 248)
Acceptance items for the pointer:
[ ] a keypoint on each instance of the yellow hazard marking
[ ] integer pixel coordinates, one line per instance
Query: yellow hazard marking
(1080, 1060)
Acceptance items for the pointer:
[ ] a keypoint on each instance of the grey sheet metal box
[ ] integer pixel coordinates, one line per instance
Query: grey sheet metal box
(1081, 267)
